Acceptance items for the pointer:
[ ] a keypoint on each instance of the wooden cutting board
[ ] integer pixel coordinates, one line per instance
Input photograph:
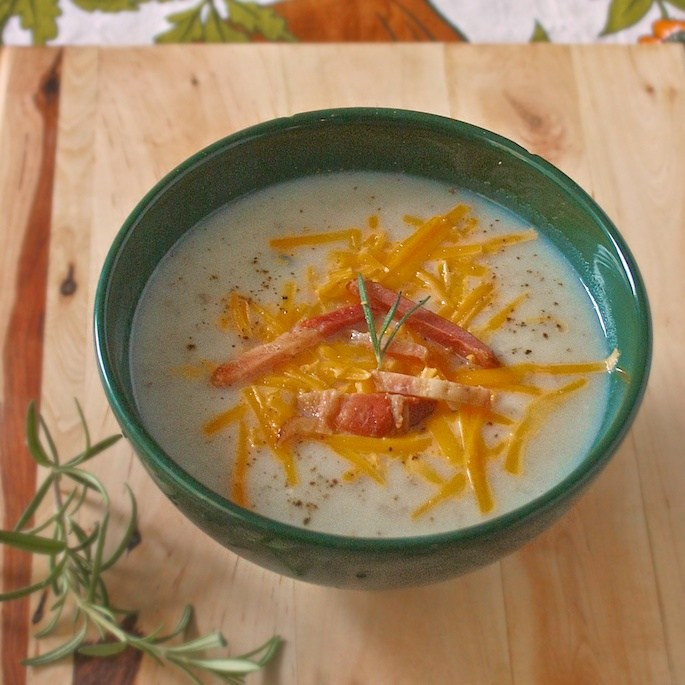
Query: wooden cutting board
(84, 132)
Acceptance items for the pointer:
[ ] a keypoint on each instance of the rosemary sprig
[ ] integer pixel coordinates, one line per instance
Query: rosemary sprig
(381, 341)
(77, 561)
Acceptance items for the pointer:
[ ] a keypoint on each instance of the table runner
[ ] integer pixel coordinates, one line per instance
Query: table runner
(133, 22)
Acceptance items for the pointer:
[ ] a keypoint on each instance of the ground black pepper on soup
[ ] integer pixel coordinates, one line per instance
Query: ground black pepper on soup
(370, 354)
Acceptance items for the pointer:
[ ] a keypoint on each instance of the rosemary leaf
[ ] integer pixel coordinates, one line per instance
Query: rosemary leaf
(224, 665)
(368, 316)
(60, 652)
(82, 496)
(268, 649)
(180, 627)
(102, 649)
(77, 562)
(88, 480)
(31, 543)
(57, 566)
(211, 641)
(93, 451)
(104, 612)
(51, 443)
(97, 557)
(128, 533)
(390, 315)
(179, 664)
(52, 623)
(85, 540)
(84, 425)
(33, 438)
(232, 680)
(59, 603)
(30, 589)
(54, 519)
(33, 505)
(400, 323)
(380, 347)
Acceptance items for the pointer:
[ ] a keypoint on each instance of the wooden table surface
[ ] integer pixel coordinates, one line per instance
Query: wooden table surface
(84, 132)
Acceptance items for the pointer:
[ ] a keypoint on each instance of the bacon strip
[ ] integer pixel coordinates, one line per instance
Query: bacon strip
(432, 388)
(398, 348)
(304, 335)
(331, 322)
(428, 323)
(376, 415)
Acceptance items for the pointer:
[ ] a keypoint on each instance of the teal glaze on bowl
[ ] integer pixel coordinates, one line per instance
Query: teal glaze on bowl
(382, 140)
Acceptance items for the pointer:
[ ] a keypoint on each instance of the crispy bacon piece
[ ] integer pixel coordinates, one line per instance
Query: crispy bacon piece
(331, 322)
(398, 348)
(432, 388)
(429, 324)
(377, 415)
(304, 335)
(365, 414)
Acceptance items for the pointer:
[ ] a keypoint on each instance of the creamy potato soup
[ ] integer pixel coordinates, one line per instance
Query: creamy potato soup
(254, 367)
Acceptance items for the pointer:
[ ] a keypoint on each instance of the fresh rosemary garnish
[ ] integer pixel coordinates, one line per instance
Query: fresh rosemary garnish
(77, 561)
(379, 341)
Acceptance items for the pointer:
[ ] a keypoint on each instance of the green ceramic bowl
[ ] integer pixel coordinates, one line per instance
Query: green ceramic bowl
(384, 140)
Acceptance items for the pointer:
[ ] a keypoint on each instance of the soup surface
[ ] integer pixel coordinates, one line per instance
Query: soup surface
(251, 271)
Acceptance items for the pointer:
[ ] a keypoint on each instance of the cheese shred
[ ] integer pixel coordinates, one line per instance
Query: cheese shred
(453, 451)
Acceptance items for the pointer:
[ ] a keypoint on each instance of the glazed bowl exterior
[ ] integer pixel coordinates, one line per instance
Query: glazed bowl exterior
(364, 139)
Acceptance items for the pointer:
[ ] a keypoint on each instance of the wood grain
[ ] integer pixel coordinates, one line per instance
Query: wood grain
(601, 553)
(641, 184)
(30, 104)
(600, 597)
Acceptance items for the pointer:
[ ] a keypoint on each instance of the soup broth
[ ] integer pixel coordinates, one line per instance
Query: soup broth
(506, 284)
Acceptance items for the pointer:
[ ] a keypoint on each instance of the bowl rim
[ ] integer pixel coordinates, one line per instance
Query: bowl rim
(564, 490)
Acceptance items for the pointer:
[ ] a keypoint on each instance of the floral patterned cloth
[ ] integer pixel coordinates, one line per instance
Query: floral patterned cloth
(134, 22)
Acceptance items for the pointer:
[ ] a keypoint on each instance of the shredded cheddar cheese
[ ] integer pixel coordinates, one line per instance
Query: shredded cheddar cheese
(363, 463)
(501, 316)
(269, 426)
(352, 236)
(475, 452)
(450, 446)
(452, 488)
(223, 420)
(444, 258)
(237, 313)
(532, 422)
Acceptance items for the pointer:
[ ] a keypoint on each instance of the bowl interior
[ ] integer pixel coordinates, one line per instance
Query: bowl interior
(383, 140)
